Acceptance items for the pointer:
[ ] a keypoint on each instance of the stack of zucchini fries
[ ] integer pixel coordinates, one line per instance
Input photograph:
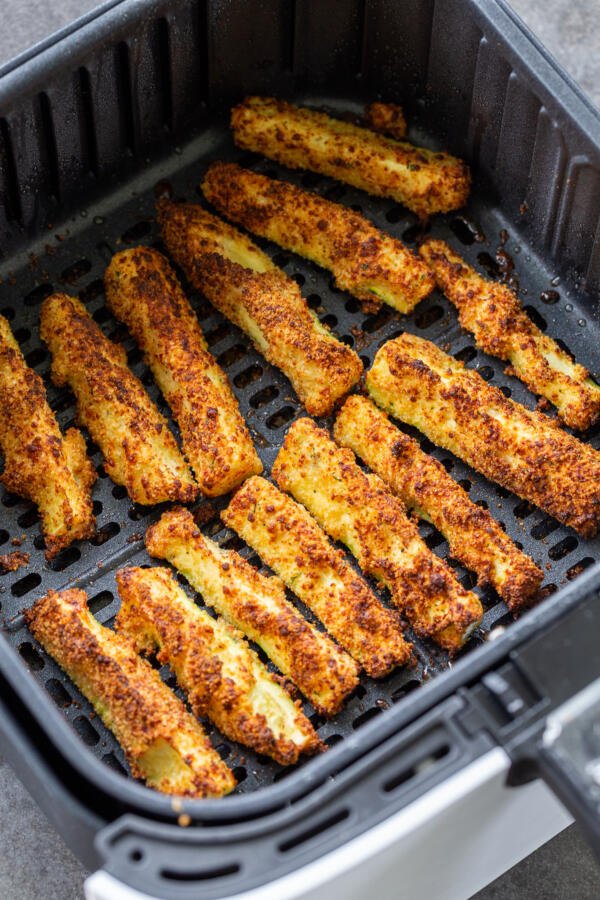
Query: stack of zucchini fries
(362, 482)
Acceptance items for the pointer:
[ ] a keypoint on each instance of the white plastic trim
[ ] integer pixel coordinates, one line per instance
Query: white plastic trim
(448, 844)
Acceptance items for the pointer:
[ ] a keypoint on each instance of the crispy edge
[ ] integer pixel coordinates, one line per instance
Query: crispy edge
(424, 486)
(524, 451)
(139, 450)
(222, 676)
(387, 118)
(143, 292)
(356, 509)
(365, 261)
(257, 605)
(502, 328)
(423, 180)
(267, 305)
(41, 464)
(289, 540)
(129, 696)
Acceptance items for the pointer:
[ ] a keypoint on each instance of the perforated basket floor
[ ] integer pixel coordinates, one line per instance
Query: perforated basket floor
(73, 259)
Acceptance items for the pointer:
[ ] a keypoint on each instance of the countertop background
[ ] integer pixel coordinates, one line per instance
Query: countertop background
(34, 861)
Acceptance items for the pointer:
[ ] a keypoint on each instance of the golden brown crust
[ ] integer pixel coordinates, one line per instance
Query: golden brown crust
(39, 463)
(221, 675)
(261, 300)
(355, 509)
(289, 540)
(139, 450)
(258, 607)
(502, 328)
(366, 262)
(524, 451)
(142, 291)
(424, 486)
(387, 118)
(163, 743)
(424, 181)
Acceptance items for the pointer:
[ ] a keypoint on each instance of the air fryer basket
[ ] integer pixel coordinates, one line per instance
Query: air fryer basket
(134, 105)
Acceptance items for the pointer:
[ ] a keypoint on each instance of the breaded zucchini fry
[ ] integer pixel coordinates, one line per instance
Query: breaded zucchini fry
(387, 118)
(357, 510)
(139, 450)
(502, 328)
(424, 181)
(162, 741)
(366, 262)
(425, 487)
(289, 540)
(245, 286)
(222, 677)
(142, 290)
(39, 463)
(523, 451)
(258, 607)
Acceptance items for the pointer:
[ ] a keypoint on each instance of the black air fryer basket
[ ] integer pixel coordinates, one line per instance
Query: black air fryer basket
(133, 103)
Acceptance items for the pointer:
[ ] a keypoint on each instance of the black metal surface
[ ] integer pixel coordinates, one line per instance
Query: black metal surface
(97, 130)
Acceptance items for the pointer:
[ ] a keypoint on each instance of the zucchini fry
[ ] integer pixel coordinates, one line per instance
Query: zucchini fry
(366, 262)
(289, 540)
(387, 118)
(162, 741)
(424, 181)
(143, 292)
(355, 509)
(526, 452)
(222, 677)
(245, 286)
(140, 452)
(502, 328)
(426, 488)
(39, 463)
(258, 607)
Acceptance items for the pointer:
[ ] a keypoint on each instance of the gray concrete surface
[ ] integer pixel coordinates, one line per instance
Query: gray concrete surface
(34, 861)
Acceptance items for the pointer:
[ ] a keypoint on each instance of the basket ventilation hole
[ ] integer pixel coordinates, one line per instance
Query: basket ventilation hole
(4, 536)
(580, 567)
(31, 656)
(543, 528)
(65, 559)
(281, 417)
(314, 831)
(248, 376)
(136, 232)
(374, 323)
(100, 601)
(37, 295)
(261, 398)
(217, 334)
(232, 355)
(466, 354)
(58, 692)
(86, 731)
(366, 717)
(429, 316)
(314, 301)
(26, 584)
(91, 291)
(75, 271)
(105, 534)
(113, 763)
(136, 855)
(563, 548)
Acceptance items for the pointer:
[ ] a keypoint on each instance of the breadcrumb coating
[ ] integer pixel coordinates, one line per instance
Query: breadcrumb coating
(162, 741)
(502, 328)
(426, 488)
(40, 464)
(245, 286)
(289, 540)
(139, 451)
(387, 118)
(357, 510)
(367, 262)
(221, 675)
(526, 452)
(143, 292)
(423, 180)
(257, 605)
